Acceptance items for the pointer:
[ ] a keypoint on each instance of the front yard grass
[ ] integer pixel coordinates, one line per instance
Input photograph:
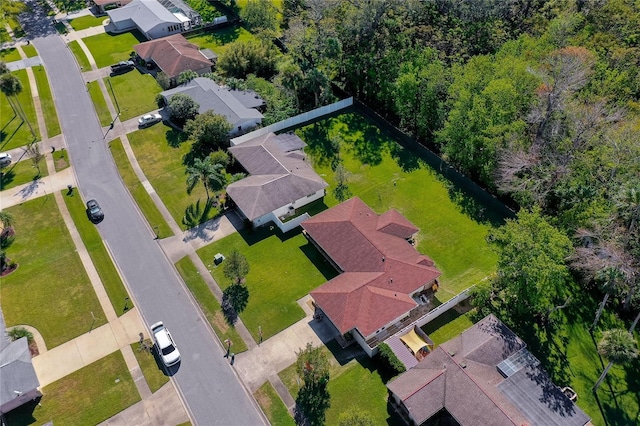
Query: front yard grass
(137, 190)
(9, 55)
(283, 269)
(272, 406)
(108, 49)
(81, 57)
(218, 41)
(15, 133)
(152, 373)
(46, 101)
(135, 93)
(160, 151)
(209, 304)
(354, 386)
(88, 396)
(99, 103)
(100, 257)
(29, 50)
(87, 21)
(385, 175)
(50, 290)
(20, 173)
(61, 159)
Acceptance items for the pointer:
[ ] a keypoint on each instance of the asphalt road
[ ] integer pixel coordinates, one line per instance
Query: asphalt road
(209, 387)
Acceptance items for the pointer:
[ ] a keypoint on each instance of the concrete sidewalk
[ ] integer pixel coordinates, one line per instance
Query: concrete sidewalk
(62, 360)
(47, 185)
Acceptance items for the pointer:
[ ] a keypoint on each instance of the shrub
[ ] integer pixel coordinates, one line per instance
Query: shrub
(389, 359)
(20, 332)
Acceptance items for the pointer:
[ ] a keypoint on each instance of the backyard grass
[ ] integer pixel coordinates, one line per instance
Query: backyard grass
(46, 101)
(283, 269)
(160, 152)
(135, 93)
(85, 397)
(447, 326)
(206, 10)
(355, 386)
(61, 159)
(20, 173)
(9, 55)
(108, 49)
(100, 257)
(209, 304)
(218, 41)
(50, 290)
(29, 50)
(81, 57)
(385, 175)
(272, 406)
(87, 21)
(99, 103)
(137, 190)
(152, 373)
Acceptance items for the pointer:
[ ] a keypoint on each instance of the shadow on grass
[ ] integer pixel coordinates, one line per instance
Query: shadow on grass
(6, 178)
(196, 214)
(370, 142)
(4, 139)
(319, 261)
(23, 415)
(175, 137)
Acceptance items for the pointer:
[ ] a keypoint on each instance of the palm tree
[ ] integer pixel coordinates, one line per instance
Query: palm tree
(6, 219)
(610, 277)
(209, 173)
(618, 346)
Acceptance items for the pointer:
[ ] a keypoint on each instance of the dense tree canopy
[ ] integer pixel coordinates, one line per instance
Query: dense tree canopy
(210, 131)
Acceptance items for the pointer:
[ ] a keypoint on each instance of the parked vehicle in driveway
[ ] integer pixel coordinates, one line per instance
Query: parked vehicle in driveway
(5, 159)
(94, 211)
(149, 119)
(164, 344)
(122, 66)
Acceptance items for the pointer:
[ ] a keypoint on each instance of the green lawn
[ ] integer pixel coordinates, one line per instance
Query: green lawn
(100, 257)
(86, 21)
(208, 304)
(99, 103)
(160, 152)
(137, 190)
(14, 132)
(354, 386)
(218, 41)
(447, 326)
(108, 49)
(284, 268)
(61, 159)
(29, 50)
(150, 369)
(272, 406)
(86, 397)
(46, 101)
(81, 57)
(206, 10)
(20, 173)
(385, 175)
(135, 93)
(9, 55)
(50, 290)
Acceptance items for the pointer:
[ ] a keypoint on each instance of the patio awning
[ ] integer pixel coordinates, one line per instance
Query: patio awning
(415, 342)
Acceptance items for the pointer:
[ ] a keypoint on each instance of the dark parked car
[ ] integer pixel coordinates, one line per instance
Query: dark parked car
(122, 66)
(94, 211)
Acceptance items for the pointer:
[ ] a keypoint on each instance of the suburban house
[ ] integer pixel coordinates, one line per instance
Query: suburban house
(383, 278)
(18, 381)
(174, 54)
(153, 18)
(280, 179)
(239, 107)
(101, 6)
(484, 376)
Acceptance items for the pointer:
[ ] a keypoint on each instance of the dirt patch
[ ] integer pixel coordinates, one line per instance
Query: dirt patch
(263, 400)
(220, 322)
(9, 269)
(33, 349)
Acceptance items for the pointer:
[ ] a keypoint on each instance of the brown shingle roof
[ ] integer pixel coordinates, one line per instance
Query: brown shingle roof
(381, 269)
(173, 54)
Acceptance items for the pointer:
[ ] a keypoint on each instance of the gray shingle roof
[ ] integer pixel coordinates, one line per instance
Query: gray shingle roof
(277, 178)
(147, 14)
(212, 97)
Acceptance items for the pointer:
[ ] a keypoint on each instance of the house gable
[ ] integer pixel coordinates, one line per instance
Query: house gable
(173, 55)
